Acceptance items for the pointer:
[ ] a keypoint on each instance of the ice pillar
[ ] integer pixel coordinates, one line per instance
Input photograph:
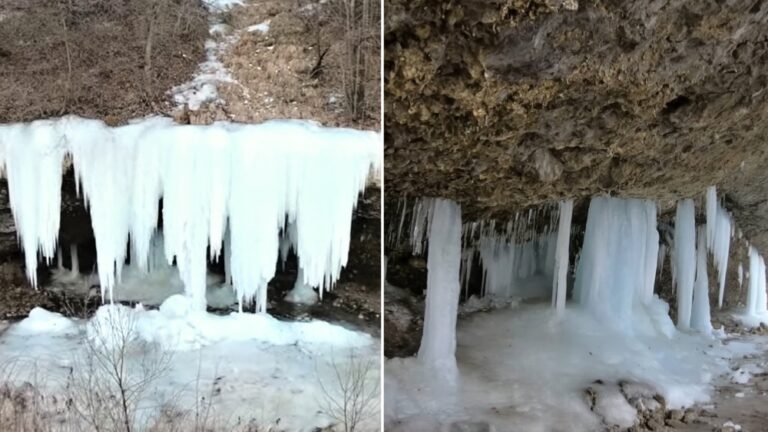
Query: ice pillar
(438, 342)
(561, 255)
(700, 316)
(685, 260)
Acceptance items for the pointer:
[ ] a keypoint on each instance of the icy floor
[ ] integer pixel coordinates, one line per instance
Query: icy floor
(259, 368)
(522, 369)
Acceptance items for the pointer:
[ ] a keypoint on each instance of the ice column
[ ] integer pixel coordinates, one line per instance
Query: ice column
(438, 342)
(561, 255)
(756, 295)
(618, 260)
(700, 316)
(685, 260)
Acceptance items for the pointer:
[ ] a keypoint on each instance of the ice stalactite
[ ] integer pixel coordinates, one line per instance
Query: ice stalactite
(756, 295)
(438, 342)
(700, 313)
(618, 259)
(711, 212)
(559, 286)
(517, 257)
(248, 179)
(662, 255)
(684, 255)
(719, 232)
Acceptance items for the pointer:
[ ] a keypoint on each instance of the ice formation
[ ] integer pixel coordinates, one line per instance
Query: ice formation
(438, 341)
(247, 180)
(684, 257)
(740, 275)
(618, 261)
(700, 316)
(719, 231)
(756, 295)
(518, 257)
(561, 255)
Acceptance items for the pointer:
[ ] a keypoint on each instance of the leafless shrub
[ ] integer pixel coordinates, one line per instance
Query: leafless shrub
(352, 395)
(116, 370)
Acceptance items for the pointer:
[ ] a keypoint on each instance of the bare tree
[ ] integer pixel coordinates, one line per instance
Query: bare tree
(351, 396)
(359, 20)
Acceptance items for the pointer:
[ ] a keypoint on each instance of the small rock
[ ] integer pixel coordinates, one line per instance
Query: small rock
(674, 423)
(675, 414)
(690, 416)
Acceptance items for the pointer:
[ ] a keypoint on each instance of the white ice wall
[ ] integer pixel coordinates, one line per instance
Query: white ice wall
(249, 179)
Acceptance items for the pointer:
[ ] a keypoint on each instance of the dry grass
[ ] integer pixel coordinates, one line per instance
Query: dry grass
(108, 59)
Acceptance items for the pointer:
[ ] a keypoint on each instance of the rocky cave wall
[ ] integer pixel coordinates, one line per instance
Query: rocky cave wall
(503, 105)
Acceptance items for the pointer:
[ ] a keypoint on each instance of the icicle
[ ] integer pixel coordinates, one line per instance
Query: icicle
(561, 260)
(685, 260)
(700, 314)
(711, 207)
(722, 245)
(662, 255)
(438, 342)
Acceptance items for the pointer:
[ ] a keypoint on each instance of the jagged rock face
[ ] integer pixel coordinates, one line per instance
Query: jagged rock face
(502, 105)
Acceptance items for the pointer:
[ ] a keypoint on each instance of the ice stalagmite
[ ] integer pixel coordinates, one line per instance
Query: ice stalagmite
(700, 314)
(684, 255)
(438, 341)
(618, 259)
(561, 256)
(245, 180)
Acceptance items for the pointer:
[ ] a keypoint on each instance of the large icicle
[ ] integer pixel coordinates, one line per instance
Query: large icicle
(719, 228)
(684, 254)
(700, 314)
(438, 341)
(561, 256)
(248, 179)
(33, 160)
(618, 259)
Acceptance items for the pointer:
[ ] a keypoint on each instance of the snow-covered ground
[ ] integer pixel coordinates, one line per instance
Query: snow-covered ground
(523, 368)
(253, 366)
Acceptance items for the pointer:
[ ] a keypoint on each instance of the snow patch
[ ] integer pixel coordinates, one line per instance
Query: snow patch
(262, 27)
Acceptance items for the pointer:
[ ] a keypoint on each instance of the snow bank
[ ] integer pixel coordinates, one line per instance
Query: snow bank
(40, 320)
(177, 326)
(248, 179)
